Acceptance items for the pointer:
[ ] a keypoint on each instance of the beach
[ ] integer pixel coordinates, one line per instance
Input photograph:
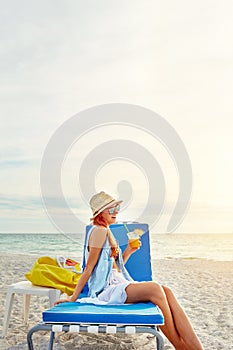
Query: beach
(203, 287)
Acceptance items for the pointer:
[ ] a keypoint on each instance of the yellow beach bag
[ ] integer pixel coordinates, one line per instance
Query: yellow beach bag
(47, 273)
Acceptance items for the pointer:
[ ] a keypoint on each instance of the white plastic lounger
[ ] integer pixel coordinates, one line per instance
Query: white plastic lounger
(126, 318)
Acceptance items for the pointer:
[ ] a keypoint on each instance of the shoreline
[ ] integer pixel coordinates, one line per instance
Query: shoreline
(203, 287)
(79, 258)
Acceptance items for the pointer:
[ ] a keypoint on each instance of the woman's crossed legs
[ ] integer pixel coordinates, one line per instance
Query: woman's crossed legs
(177, 327)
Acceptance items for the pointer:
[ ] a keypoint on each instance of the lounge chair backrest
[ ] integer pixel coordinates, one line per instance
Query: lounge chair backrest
(139, 264)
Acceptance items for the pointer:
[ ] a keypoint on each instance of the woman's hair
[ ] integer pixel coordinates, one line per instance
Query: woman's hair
(99, 220)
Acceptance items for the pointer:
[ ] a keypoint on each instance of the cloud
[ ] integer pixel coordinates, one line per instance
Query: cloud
(58, 58)
(16, 163)
(13, 158)
(22, 203)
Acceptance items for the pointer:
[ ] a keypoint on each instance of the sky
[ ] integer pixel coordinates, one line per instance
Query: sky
(59, 58)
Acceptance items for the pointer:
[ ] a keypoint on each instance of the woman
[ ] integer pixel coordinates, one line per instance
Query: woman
(109, 281)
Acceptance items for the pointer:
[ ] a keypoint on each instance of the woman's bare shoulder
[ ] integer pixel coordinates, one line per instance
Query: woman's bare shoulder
(98, 236)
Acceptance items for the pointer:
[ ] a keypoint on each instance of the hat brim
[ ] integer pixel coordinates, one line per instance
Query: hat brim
(115, 202)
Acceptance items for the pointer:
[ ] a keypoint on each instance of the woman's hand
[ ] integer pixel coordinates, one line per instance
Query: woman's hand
(132, 249)
(68, 300)
(129, 250)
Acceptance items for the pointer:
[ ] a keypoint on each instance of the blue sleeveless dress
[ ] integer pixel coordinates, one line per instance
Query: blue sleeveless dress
(107, 285)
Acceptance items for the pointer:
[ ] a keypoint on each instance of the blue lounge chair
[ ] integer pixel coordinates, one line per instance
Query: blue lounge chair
(126, 318)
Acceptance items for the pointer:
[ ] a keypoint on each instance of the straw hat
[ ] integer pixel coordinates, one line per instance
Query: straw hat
(101, 201)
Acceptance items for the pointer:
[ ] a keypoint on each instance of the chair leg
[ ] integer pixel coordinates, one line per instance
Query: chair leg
(40, 327)
(29, 339)
(54, 294)
(159, 341)
(36, 328)
(8, 308)
(26, 305)
(50, 347)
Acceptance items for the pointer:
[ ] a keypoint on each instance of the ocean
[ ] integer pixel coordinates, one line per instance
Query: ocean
(163, 246)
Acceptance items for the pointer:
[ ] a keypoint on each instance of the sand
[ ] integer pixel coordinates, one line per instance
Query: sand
(203, 287)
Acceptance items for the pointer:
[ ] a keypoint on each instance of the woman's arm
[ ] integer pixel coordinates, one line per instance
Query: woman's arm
(96, 242)
(91, 262)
